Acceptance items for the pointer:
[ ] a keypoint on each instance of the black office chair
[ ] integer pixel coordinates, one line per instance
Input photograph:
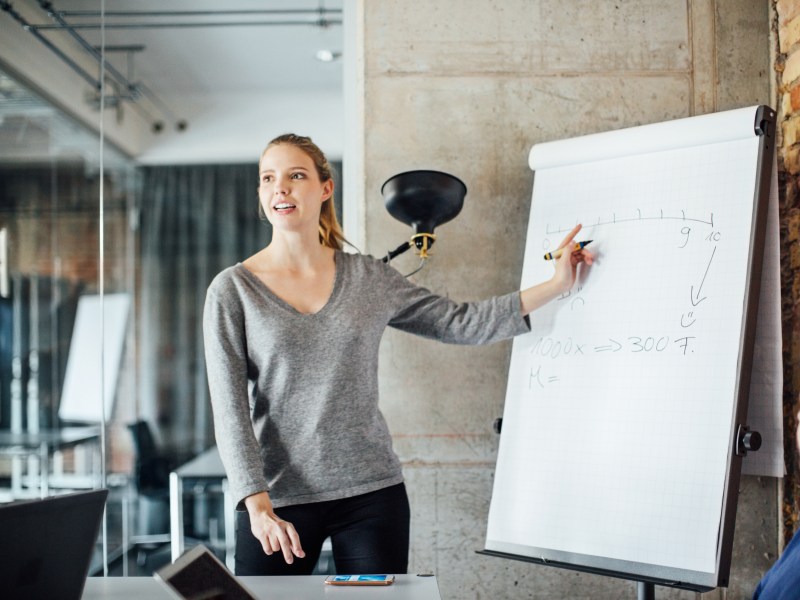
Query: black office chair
(152, 468)
(151, 472)
(151, 477)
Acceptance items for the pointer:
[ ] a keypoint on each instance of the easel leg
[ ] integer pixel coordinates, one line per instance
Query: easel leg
(645, 591)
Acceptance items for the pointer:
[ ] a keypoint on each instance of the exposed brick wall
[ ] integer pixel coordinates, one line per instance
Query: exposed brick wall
(787, 66)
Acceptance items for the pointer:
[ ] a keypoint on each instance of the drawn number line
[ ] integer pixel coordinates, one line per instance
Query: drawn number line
(616, 221)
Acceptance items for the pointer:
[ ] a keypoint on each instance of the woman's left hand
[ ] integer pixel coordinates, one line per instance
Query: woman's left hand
(567, 264)
(563, 279)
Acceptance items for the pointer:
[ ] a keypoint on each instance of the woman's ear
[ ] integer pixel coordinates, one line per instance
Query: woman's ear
(327, 189)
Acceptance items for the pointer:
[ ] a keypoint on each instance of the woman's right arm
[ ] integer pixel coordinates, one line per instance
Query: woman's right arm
(564, 277)
(226, 366)
(275, 534)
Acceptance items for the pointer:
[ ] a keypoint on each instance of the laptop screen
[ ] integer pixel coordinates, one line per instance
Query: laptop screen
(46, 545)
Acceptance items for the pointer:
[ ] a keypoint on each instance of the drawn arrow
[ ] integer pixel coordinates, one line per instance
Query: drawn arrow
(609, 347)
(695, 298)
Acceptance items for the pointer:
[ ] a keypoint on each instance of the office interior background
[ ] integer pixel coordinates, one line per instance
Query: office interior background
(147, 190)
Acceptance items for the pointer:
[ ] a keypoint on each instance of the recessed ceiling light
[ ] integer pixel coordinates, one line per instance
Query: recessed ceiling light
(327, 55)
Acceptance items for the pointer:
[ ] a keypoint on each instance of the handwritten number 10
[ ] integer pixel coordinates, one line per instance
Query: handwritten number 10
(714, 236)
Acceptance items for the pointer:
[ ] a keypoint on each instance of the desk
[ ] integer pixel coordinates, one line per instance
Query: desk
(206, 466)
(311, 587)
(42, 445)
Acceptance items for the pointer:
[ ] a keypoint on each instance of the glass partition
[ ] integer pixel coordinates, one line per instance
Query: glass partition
(51, 370)
(104, 263)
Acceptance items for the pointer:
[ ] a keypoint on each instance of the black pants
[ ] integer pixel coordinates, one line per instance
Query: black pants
(369, 534)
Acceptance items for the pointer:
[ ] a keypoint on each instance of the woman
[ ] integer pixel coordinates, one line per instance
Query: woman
(307, 452)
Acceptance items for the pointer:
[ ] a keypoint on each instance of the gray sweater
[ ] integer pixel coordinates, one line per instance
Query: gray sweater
(308, 429)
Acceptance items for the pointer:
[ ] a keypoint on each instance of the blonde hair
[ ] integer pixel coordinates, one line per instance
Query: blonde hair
(330, 232)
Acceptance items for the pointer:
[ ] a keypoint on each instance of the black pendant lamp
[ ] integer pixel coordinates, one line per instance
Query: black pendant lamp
(423, 199)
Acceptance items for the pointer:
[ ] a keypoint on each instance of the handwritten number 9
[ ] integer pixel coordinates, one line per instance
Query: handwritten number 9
(685, 231)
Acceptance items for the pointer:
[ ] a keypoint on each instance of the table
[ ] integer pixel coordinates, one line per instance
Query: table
(310, 587)
(205, 466)
(42, 445)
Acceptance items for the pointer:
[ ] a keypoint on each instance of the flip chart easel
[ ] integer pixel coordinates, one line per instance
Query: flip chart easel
(625, 418)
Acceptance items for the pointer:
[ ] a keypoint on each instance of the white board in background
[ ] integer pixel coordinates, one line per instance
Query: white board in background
(620, 402)
(82, 395)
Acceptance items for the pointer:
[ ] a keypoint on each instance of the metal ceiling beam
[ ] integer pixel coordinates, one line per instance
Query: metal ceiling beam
(201, 13)
(91, 80)
(129, 86)
(180, 25)
(129, 91)
(322, 18)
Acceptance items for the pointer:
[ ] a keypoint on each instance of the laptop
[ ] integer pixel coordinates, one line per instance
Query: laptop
(46, 545)
(198, 574)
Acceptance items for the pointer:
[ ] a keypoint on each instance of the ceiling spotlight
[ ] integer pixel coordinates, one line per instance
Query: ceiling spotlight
(327, 55)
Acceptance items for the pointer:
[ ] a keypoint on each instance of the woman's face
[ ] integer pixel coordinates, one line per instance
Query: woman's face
(290, 191)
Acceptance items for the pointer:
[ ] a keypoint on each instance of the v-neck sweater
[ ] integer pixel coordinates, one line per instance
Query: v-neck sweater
(295, 396)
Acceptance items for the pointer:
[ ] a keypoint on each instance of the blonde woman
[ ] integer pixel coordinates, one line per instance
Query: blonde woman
(307, 451)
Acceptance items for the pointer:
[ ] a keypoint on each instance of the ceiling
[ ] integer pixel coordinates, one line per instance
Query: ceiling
(32, 131)
(185, 67)
(231, 47)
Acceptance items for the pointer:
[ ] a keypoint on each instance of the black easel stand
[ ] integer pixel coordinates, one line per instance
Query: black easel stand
(645, 591)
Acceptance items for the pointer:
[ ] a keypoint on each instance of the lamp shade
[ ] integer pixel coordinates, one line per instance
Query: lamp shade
(424, 199)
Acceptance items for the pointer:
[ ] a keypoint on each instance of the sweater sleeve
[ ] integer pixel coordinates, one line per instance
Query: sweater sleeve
(226, 366)
(421, 312)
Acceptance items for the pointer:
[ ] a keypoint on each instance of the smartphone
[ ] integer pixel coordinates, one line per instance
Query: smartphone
(359, 579)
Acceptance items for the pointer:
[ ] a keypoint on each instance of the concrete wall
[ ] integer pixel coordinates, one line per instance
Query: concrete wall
(467, 87)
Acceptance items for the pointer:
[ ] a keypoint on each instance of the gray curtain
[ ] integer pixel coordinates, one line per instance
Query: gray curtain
(195, 221)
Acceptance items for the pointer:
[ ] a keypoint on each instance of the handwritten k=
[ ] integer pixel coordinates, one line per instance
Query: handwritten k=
(695, 298)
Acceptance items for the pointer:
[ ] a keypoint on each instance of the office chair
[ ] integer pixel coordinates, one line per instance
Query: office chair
(151, 479)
